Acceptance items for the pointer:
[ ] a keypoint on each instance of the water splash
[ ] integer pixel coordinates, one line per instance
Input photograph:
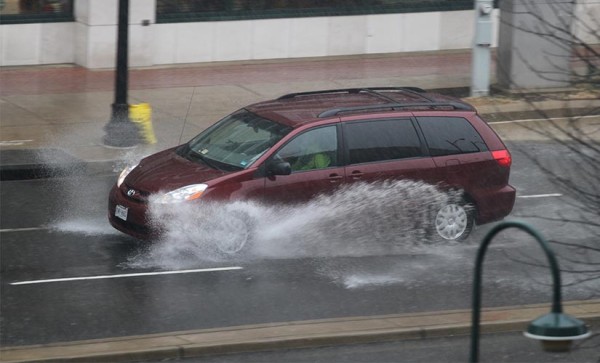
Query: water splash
(86, 226)
(359, 219)
(355, 281)
(81, 206)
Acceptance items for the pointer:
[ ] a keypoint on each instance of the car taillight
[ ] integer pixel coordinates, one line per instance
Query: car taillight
(502, 157)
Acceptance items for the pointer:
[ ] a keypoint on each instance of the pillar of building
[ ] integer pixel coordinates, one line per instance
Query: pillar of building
(96, 32)
(534, 44)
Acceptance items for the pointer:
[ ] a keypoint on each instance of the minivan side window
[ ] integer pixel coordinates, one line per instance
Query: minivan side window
(450, 135)
(313, 149)
(381, 140)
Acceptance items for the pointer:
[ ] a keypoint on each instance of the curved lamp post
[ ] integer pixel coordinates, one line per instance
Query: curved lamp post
(556, 329)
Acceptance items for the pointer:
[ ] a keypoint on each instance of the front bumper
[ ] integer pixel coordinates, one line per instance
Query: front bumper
(136, 224)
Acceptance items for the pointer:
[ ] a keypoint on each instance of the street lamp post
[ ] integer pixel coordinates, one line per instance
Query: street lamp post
(556, 330)
(120, 131)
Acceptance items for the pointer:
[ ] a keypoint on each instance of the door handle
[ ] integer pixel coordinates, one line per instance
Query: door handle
(356, 174)
(334, 178)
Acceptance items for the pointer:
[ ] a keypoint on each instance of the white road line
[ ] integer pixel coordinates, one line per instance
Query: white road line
(8, 230)
(539, 119)
(540, 195)
(101, 277)
(14, 142)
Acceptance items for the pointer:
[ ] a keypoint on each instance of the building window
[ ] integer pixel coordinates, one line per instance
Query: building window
(35, 11)
(169, 11)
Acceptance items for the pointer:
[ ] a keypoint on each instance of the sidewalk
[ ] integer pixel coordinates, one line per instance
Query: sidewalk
(317, 333)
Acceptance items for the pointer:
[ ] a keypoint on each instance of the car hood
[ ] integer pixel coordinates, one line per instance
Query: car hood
(166, 171)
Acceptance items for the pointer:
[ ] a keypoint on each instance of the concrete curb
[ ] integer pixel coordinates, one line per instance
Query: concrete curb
(19, 164)
(290, 335)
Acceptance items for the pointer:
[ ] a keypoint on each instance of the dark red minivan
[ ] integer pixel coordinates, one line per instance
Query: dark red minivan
(301, 145)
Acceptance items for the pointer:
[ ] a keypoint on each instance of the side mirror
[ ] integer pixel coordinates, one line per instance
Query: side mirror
(279, 168)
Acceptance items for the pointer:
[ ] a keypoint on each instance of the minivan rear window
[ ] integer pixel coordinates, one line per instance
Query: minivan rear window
(381, 140)
(450, 135)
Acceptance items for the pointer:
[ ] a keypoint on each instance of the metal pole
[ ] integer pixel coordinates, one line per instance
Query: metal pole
(122, 55)
(120, 131)
(476, 308)
(481, 57)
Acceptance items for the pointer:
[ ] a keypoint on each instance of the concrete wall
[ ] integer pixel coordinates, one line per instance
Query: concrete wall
(41, 43)
(530, 52)
(90, 41)
(311, 37)
(96, 33)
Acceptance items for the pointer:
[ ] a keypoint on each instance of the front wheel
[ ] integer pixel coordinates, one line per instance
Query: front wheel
(236, 235)
(454, 222)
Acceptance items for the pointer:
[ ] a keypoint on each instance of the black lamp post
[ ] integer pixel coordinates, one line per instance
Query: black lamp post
(120, 131)
(556, 330)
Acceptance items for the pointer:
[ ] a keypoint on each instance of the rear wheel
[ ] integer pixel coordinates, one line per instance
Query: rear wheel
(454, 222)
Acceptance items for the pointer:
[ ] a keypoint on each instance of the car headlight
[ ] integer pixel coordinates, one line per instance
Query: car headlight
(124, 174)
(183, 194)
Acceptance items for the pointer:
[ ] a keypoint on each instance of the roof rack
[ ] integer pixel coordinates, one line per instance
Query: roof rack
(396, 106)
(413, 90)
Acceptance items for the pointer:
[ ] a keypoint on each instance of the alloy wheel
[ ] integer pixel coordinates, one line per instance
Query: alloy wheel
(451, 222)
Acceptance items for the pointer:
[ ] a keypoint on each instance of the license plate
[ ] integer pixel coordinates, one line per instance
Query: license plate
(121, 212)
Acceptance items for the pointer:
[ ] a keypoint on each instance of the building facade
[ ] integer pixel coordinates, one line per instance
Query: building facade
(164, 32)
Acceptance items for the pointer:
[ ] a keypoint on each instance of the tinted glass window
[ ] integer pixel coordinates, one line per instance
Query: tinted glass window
(198, 10)
(451, 135)
(313, 149)
(35, 11)
(381, 140)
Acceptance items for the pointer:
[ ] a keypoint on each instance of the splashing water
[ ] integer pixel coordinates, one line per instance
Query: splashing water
(355, 281)
(86, 226)
(359, 219)
(82, 198)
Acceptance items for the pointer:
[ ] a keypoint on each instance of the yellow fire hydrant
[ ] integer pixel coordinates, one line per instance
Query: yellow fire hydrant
(141, 115)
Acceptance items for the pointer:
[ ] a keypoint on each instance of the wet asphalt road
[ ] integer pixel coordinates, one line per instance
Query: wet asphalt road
(57, 228)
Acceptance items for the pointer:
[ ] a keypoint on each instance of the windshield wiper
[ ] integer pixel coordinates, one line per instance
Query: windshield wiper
(204, 159)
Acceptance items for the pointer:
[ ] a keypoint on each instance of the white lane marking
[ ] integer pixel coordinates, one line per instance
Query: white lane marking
(100, 277)
(8, 230)
(539, 119)
(14, 142)
(540, 195)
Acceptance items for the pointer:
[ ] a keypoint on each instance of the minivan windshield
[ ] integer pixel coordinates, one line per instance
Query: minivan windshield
(235, 142)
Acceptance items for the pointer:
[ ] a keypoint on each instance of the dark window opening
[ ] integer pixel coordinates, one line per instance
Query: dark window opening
(35, 11)
(168, 11)
(451, 135)
(381, 140)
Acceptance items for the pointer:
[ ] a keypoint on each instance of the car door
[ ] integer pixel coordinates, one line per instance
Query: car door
(314, 158)
(385, 149)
